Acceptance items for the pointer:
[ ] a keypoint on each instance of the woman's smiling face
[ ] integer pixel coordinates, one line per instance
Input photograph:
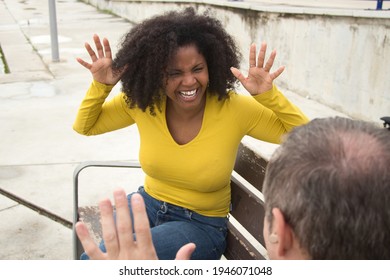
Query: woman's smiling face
(187, 78)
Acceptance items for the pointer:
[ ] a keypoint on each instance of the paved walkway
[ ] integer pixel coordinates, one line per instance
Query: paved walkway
(38, 148)
(38, 103)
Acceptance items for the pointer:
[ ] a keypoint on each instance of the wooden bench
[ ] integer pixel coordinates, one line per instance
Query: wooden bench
(245, 228)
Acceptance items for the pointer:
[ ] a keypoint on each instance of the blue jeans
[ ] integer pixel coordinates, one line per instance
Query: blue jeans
(173, 226)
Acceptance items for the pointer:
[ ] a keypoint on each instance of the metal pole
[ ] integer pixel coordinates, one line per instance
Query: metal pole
(379, 4)
(53, 31)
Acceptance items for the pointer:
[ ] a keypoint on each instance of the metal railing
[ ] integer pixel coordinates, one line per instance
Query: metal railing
(386, 122)
(379, 4)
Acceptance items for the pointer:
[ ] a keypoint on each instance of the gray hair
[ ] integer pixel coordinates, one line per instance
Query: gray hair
(331, 180)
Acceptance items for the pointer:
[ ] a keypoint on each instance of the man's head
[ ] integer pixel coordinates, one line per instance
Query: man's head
(327, 192)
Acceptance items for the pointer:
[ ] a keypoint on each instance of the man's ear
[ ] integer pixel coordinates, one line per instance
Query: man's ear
(282, 235)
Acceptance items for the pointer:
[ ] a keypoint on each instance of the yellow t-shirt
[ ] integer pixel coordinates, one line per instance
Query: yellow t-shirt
(195, 175)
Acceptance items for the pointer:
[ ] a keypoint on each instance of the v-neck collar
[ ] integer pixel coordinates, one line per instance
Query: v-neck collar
(164, 117)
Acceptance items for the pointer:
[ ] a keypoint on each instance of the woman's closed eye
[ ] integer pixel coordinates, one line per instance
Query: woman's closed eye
(198, 69)
(174, 74)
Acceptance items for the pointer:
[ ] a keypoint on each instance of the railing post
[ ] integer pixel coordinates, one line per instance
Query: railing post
(53, 31)
(379, 4)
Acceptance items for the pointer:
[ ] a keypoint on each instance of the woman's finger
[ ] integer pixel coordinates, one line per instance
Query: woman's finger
(91, 52)
(237, 73)
(252, 56)
(261, 56)
(99, 47)
(107, 48)
(267, 67)
(84, 63)
(276, 74)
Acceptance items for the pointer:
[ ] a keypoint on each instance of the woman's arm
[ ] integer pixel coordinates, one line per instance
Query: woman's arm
(97, 116)
(279, 116)
(275, 115)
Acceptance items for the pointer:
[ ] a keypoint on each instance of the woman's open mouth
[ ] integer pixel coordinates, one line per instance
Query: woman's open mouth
(188, 95)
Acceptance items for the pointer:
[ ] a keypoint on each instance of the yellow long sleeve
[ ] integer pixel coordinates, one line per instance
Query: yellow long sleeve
(195, 175)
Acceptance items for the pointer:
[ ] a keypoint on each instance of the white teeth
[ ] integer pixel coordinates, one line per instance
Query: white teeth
(188, 93)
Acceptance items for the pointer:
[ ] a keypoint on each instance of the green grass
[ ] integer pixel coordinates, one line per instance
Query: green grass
(5, 69)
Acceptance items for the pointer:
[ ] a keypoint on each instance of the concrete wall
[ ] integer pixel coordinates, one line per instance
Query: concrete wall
(338, 58)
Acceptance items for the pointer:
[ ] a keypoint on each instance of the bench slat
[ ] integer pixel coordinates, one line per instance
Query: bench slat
(239, 248)
(251, 166)
(248, 210)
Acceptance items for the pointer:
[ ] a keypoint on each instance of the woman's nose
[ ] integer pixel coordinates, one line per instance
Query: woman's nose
(188, 79)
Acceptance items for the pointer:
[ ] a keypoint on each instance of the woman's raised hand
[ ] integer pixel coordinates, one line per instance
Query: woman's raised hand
(259, 78)
(101, 65)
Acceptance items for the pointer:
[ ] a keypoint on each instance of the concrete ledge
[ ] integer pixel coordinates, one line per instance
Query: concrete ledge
(333, 8)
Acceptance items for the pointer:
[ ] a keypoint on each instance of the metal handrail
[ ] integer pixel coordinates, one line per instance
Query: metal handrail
(379, 4)
(76, 173)
(386, 122)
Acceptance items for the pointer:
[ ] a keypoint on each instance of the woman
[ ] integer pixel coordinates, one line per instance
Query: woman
(178, 72)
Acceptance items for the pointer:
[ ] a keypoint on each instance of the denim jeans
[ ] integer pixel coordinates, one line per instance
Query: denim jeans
(173, 226)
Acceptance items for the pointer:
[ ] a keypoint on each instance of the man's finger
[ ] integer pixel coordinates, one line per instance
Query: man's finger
(142, 227)
(185, 252)
(123, 220)
(109, 228)
(90, 247)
